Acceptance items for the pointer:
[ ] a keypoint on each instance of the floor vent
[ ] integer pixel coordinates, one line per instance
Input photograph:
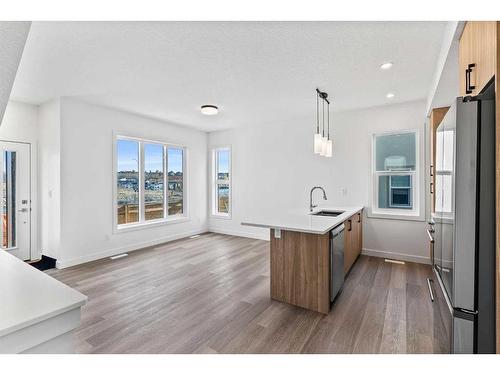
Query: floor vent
(119, 256)
(394, 261)
(45, 263)
(196, 235)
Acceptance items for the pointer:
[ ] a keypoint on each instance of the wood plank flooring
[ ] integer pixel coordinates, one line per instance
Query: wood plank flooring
(210, 294)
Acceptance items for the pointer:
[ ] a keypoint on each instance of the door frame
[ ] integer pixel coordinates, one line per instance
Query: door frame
(34, 248)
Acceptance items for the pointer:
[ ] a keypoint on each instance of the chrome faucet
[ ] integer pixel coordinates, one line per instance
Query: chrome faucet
(311, 206)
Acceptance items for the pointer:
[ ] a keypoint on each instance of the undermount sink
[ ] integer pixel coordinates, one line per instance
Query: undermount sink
(327, 213)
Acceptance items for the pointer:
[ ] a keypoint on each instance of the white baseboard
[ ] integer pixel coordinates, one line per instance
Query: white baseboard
(396, 256)
(240, 233)
(65, 263)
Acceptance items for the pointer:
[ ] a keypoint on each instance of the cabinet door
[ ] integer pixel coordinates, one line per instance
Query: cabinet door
(353, 240)
(359, 233)
(348, 246)
(477, 47)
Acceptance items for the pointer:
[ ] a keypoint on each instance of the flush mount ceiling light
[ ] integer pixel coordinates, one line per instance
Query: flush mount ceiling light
(322, 144)
(386, 66)
(209, 110)
(390, 95)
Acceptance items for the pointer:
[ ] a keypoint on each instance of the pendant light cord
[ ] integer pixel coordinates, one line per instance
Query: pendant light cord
(323, 115)
(328, 121)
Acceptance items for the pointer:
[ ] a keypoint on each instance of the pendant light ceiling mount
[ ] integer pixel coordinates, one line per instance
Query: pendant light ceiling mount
(322, 144)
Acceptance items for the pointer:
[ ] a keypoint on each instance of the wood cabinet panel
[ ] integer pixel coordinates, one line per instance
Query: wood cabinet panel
(359, 224)
(353, 237)
(300, 270)
(477, 46)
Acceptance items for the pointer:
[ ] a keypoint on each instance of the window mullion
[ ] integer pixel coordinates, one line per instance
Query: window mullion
(216, 191)
(142, 204)
(167, 182)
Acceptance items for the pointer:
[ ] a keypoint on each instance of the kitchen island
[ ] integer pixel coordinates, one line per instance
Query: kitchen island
(300, 253)
(37, 313)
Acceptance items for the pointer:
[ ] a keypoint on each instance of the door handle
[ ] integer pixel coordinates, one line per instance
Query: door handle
(429, 233)
(430, 289)
(468, 86)
(359, 217)
(432, 187)
(350, 225)
(23, 210)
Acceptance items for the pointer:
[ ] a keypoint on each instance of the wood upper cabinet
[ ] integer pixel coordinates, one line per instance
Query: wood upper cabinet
(353, 237)
(477, 56)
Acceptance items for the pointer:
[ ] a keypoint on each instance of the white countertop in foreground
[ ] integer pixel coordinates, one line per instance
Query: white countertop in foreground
(28, 296)
(301, 221)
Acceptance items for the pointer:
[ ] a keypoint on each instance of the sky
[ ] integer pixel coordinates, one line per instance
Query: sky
(224, 161)
(128, 151)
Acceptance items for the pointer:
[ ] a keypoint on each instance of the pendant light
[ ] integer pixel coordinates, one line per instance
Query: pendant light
(323, 138)
(323, 145)
(329, 143)
(317, 135)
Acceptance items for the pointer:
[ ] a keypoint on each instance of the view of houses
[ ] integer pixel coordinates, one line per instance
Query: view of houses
(128, 195)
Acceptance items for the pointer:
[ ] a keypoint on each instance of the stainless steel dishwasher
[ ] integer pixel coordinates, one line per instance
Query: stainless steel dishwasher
(336, 261)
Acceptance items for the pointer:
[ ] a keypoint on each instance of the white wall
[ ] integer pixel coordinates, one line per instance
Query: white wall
(20, 124)
(274, 168)
(49, 181)
(87, 181)
(13, 36)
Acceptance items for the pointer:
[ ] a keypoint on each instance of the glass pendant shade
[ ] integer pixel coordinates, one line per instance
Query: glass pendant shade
(317, 143)
(329, 148)
(324, 140)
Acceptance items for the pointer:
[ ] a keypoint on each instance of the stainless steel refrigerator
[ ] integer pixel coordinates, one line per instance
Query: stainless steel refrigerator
(464, 222)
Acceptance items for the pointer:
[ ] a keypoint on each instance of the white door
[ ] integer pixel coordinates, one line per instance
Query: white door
(16, 204)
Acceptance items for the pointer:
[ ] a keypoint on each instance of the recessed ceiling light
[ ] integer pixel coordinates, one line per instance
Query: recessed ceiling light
(209, 110)
(390, 95)
(386, 66)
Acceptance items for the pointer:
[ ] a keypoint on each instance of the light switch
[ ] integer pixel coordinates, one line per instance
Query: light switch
(277, 233)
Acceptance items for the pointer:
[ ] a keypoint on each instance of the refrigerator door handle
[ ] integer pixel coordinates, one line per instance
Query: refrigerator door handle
(430, 289)
(429, 233)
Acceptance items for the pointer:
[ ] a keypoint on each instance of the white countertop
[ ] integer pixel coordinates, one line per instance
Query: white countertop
(28, 296)
(301, 221)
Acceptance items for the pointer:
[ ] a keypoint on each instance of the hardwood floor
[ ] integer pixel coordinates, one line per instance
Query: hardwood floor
(210, 294)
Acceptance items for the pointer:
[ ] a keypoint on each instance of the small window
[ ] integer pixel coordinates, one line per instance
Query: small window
(127, 199)
(395, 173)
(153, 181)
(149, 182)
(175, 181)
(221, 196)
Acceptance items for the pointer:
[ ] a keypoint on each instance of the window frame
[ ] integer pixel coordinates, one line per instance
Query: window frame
(167, 219)
(417, 212)
(215, 182)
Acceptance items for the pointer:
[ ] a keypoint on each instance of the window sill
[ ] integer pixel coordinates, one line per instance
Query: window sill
(392, 216)
(151, 224)
(221, 216)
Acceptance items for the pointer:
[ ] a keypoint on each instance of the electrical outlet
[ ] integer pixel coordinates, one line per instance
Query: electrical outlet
(343, 191)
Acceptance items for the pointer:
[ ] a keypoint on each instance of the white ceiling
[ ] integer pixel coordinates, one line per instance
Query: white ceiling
(255, 72)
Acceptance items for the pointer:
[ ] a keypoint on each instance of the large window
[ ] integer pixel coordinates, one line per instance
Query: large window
(221, 187)
(149, 181)
(395, 166)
